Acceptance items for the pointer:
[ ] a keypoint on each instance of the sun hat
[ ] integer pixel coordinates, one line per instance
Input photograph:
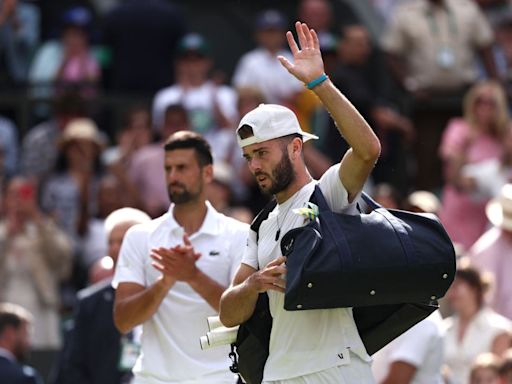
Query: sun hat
(82, 129)
(424, 200)
(499, 209)
(270, 121)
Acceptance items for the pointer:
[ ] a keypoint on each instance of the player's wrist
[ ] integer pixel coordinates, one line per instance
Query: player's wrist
(316, 81)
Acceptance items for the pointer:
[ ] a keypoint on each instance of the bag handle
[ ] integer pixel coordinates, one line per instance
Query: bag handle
(394, 221)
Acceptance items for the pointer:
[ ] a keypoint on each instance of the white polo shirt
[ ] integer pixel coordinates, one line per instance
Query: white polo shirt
(305, 342)
(171, 351)
(422, 346)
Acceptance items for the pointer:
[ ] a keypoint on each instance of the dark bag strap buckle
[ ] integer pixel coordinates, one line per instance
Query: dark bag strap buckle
(232, 355)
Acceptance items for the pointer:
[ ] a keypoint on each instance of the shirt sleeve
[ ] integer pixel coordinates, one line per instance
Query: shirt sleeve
(130, 266)
(335, 193)
(237, 248)
(250, 255)
(413, 346)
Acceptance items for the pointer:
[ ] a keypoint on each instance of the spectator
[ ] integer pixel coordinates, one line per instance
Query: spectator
(318, 14)
(146, 170)
(485, 369)
(9, 147)
(487, 178)
(474, 328)
(260, 68)
(40, 144)
(70, 192)
(78, 68)
(34, 257)
(15, 324)
(19, 37)
(166, 285)
(492, 252)
(210, 106)
(68, 61)
(98, 353)
(415, 357)
(476, 137)
(432, 48)
(143, 36)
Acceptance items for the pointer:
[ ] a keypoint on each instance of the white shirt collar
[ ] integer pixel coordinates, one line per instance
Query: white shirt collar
(210, 224)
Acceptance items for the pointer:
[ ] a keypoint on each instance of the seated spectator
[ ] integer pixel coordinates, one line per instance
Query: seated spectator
(8, 147)
(433, 49)
(486, 178)
(34, 257)
(415, 357)
(69, 194)
(15, 322)
(78, 68)
(260, 68)
(40, 144)
(492, 252)
(97, 352)
(476, 137)
(485, 369)
(474, 328)
(134, 133)
(210, 106)
(69, 61)
(19, 38)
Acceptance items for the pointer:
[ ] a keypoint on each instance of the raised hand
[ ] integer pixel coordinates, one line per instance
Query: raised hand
(307, 60)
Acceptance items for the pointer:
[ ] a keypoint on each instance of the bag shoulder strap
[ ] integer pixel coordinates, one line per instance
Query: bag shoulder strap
(262, 216)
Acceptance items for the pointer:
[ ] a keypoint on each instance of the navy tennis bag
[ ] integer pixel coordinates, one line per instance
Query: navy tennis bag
(382, 257)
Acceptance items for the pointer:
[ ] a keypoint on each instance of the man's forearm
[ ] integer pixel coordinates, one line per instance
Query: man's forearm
(208, 288)
(136, 307)
(237, 304)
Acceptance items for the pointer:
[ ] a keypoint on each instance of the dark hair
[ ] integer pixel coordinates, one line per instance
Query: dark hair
(191, 140)
(245, 131)
(12, 315)
(70, 103)
(474, 279)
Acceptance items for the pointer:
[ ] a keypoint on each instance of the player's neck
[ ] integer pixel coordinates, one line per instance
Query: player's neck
(190, 216)
(300, 181)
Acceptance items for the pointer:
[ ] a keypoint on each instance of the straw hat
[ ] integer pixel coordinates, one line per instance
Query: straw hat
(499, 209)
(424, 200)
(82, 129)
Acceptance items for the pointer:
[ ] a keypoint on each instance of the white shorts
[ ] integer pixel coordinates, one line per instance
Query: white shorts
(357, 372)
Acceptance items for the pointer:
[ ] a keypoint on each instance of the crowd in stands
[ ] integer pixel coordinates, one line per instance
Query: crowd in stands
(432, 77)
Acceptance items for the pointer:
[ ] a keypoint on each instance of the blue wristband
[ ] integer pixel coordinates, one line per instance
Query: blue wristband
(319, 80)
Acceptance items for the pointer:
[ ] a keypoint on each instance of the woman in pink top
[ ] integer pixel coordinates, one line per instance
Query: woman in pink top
(475, 137)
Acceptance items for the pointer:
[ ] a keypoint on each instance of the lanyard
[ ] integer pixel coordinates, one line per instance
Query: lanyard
(434, 27)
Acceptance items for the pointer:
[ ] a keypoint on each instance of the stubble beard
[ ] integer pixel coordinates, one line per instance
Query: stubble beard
(282, 176)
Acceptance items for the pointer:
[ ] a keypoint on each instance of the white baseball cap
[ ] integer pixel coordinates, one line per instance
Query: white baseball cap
(270, 121)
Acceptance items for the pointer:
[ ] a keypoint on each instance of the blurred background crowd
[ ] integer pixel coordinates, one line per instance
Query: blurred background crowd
(90, 89)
